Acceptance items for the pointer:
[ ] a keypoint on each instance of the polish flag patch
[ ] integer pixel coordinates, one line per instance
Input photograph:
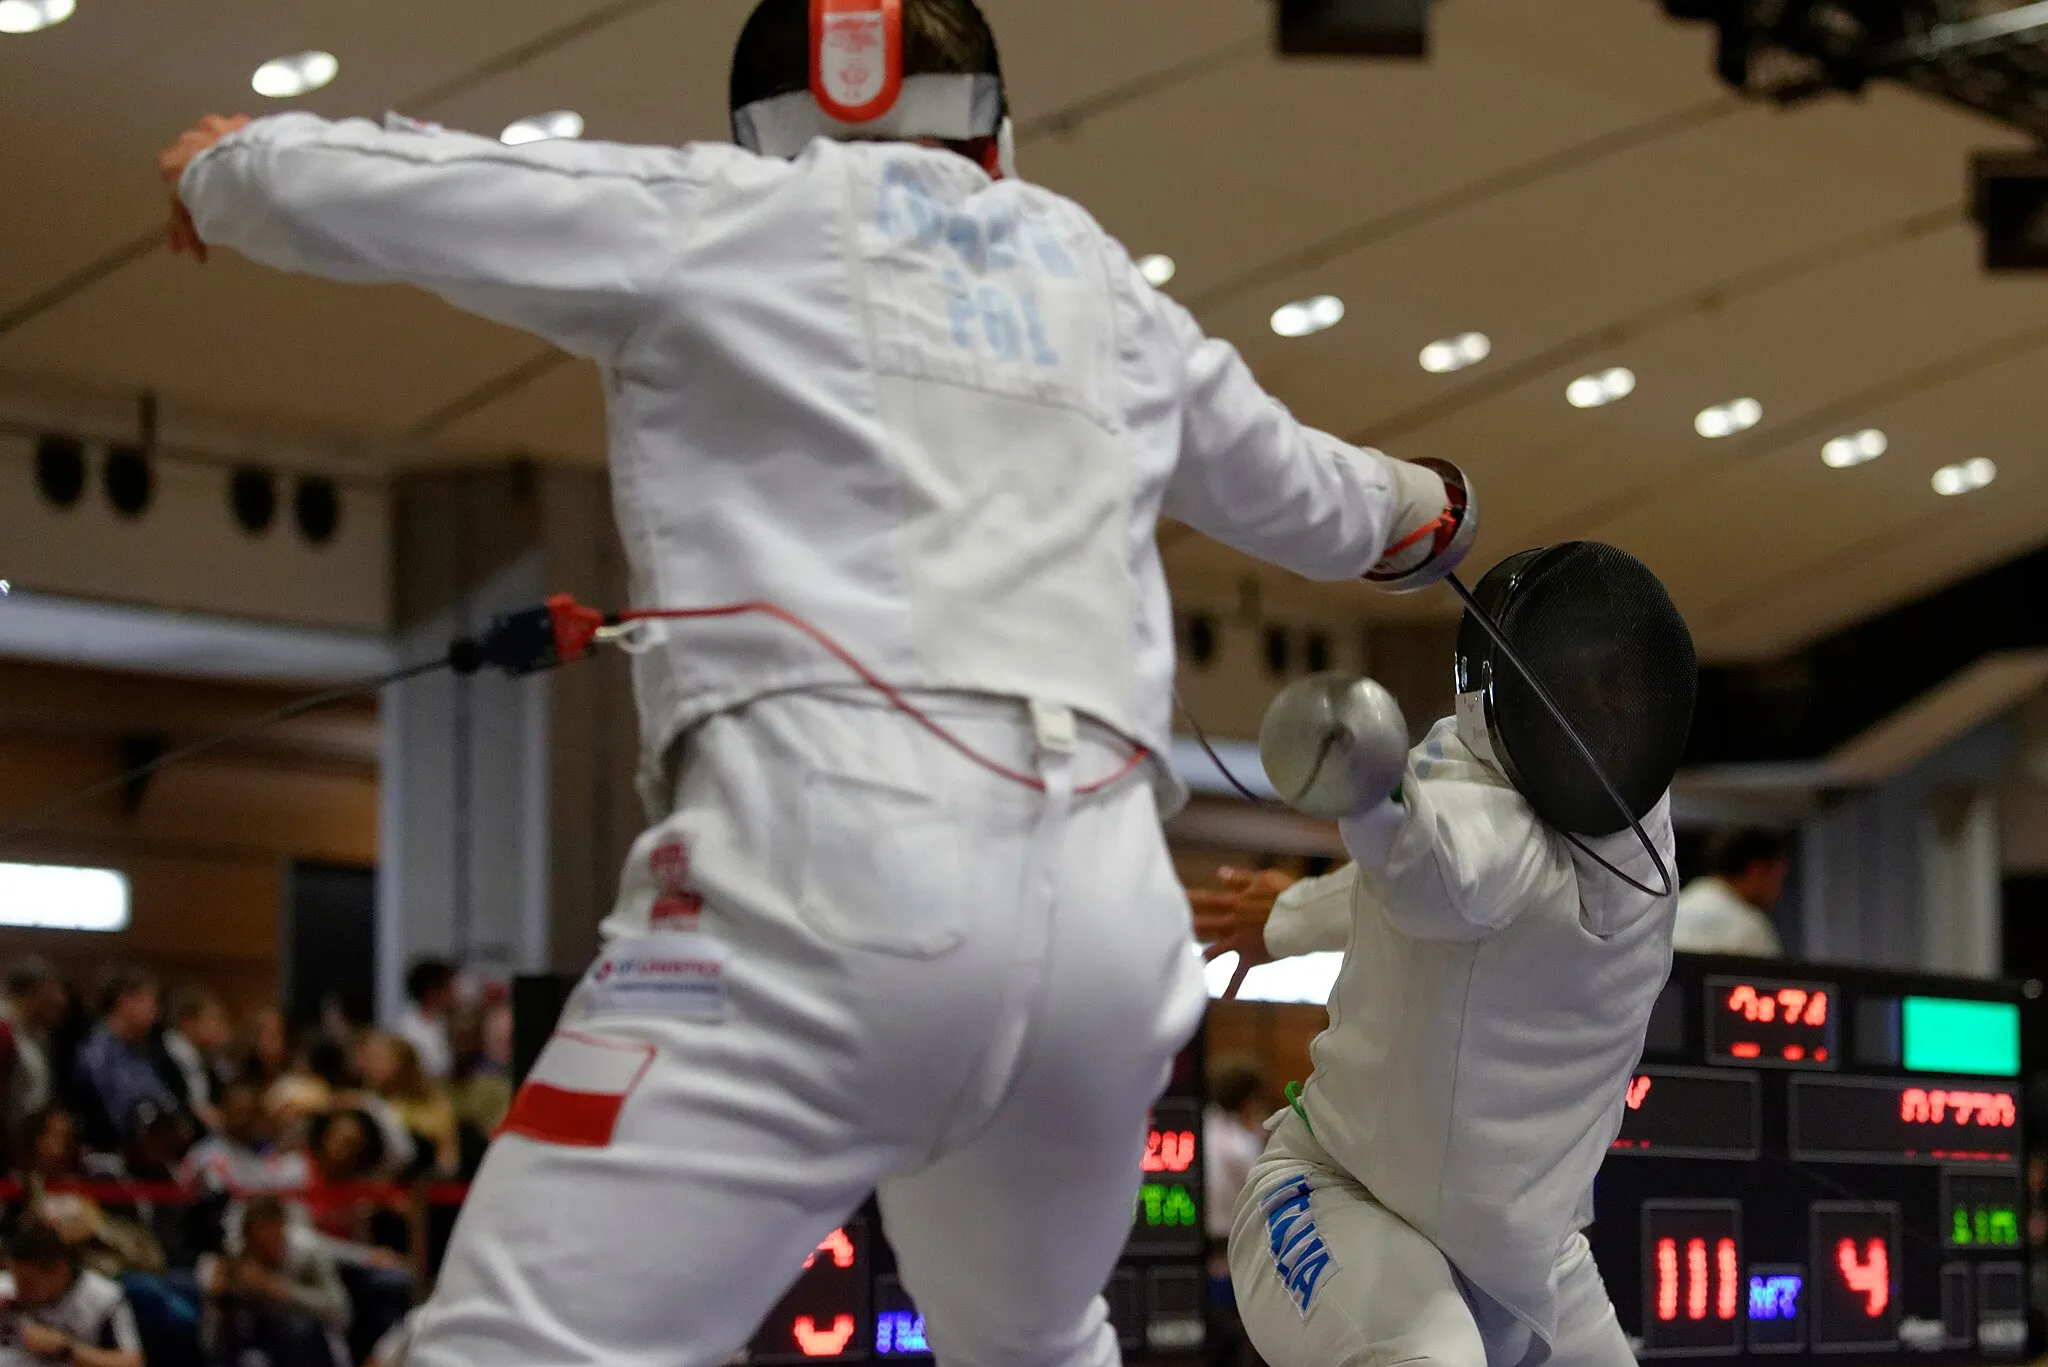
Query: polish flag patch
(577, 1089)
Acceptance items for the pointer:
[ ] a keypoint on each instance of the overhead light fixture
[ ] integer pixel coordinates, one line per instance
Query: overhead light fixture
(53, 897)
(5, 588)
(1597, 391)
(1726, 419)
(1455, 353)
(1158, 270)
(1306, 317)
(31, 16)
(557, 123)
(1964, 478)
(284, 78)
(1857, 448)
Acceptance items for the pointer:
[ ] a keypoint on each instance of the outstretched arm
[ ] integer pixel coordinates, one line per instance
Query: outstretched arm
(563, 239)
(1457, 859)
(1255, 478)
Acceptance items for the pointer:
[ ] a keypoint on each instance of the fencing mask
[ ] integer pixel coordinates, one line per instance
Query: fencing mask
(870, 69)
(1592, 628)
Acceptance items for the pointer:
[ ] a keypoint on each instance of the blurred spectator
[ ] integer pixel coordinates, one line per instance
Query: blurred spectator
(192, 1051)
(394, 1347)
(274, 1298)
(430, 985)
(114, 1072)
(59, 1311)
(266, 1049)
(53, 1146)
(243, 1158)
(1729, 910)
(479, 1088)
(390, 1068)
(1233, 1136)
(34, 1006)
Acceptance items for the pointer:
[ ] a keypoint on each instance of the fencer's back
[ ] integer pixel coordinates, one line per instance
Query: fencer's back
(896, 398)
(1474, 1076)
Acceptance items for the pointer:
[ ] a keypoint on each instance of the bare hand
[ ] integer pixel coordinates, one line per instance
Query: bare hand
(388, 1260)
(1232, 919)
(181, 236)
(44, 1341)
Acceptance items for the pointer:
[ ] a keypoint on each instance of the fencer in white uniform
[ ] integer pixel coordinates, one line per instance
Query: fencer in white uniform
(934, 413)
(1423, 1201)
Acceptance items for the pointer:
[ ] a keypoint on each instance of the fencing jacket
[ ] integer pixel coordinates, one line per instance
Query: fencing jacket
(935, 415)
(1491, 1008)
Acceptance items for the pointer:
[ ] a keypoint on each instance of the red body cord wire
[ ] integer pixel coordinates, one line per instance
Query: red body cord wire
(867, 676)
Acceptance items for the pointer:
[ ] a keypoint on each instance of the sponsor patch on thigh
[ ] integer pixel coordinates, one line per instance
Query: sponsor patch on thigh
(678, 975)
(1300, 1256)
(577, 1090)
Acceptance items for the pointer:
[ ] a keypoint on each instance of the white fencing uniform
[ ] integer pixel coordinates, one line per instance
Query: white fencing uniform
(937, 417)
(1713, 918)
(1495, 990)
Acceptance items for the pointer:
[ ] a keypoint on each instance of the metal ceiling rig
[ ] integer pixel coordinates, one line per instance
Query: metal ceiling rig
(1989, 56)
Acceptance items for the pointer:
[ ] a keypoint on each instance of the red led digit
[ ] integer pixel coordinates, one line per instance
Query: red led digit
(1817, 1009)
(1744, 999)
(1793, 999)
(1724, 1255)
(1638, 1093)
(1667, 1279)
(823, 1343)
(1696, 1279)
(1869, 1276)
(1169, 1151)
(838, 1245)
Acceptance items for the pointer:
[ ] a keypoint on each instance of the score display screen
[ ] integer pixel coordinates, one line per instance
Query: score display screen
(1770, 1023)
(1855, 1275)
(1168, 1216)
(823, 1315)
(1904, 1120)
(1691, 1113)
(1693, 1288)
(1980, 1209)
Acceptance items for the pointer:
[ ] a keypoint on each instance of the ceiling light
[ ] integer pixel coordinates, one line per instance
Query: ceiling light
(52, 897)
(283, 78)
(1597, 391)
(27, 16)
(1726, 419)
(1455, 353)
(1158, 270)
(1964, 478)
(5, 588)
(559, 123)
(1857, 448)
(1307, 317)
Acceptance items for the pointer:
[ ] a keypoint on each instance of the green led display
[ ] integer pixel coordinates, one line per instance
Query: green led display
(1946, 1035)
(1985, 1226)
(1164, 1205)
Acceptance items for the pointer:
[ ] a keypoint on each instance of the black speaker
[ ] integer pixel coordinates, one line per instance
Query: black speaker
(1354, 28)
(2010, 203)
(537, 1002)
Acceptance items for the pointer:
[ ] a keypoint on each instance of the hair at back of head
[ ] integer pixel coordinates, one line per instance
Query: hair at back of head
(428, 976)
(1734, 853)
(190, 1003)
(28, 973)
(38, 1244)
(116, 982)
(1233, 1082)
(940, 38)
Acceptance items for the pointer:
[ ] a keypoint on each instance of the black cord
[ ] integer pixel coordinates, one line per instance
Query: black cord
(1202, 738)
(1492, 628)
(21, 826)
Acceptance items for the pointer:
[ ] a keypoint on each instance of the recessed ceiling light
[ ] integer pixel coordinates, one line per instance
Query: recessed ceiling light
(1726, 419)
(1158, 270)
(1857, 448)
(1306, 317)
(1597, 391)
(5, 588)
(1964, 478)
(559, 123)
(282, 78)
(1455, 353)
(28, 16)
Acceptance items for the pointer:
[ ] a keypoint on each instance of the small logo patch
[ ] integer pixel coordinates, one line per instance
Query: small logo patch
(1299, 1254)
(674, 902)
(680, 975)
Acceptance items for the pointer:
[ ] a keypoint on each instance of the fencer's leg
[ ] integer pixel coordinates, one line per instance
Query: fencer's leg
(1007, 1241)
(1327, 1277)
(1588, 1334)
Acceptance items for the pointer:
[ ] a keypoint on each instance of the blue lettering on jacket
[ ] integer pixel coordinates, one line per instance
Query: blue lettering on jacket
(1299, 1254)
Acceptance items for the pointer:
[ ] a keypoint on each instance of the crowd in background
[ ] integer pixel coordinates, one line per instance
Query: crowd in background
(193, 1190)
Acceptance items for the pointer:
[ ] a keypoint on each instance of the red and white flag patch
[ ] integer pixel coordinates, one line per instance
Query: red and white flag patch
(577, 1090)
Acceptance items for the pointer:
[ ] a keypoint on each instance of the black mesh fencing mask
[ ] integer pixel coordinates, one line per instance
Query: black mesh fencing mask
(1603, 640)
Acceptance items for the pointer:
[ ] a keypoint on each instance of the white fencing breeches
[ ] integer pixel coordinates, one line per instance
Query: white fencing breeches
(934, 981)
(1326, 1276)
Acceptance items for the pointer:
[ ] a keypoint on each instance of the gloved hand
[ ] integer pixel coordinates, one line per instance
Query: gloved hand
(1434, 529)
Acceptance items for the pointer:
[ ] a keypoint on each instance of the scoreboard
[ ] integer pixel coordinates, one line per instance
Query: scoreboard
(1819, 1164)
(850, 1306)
